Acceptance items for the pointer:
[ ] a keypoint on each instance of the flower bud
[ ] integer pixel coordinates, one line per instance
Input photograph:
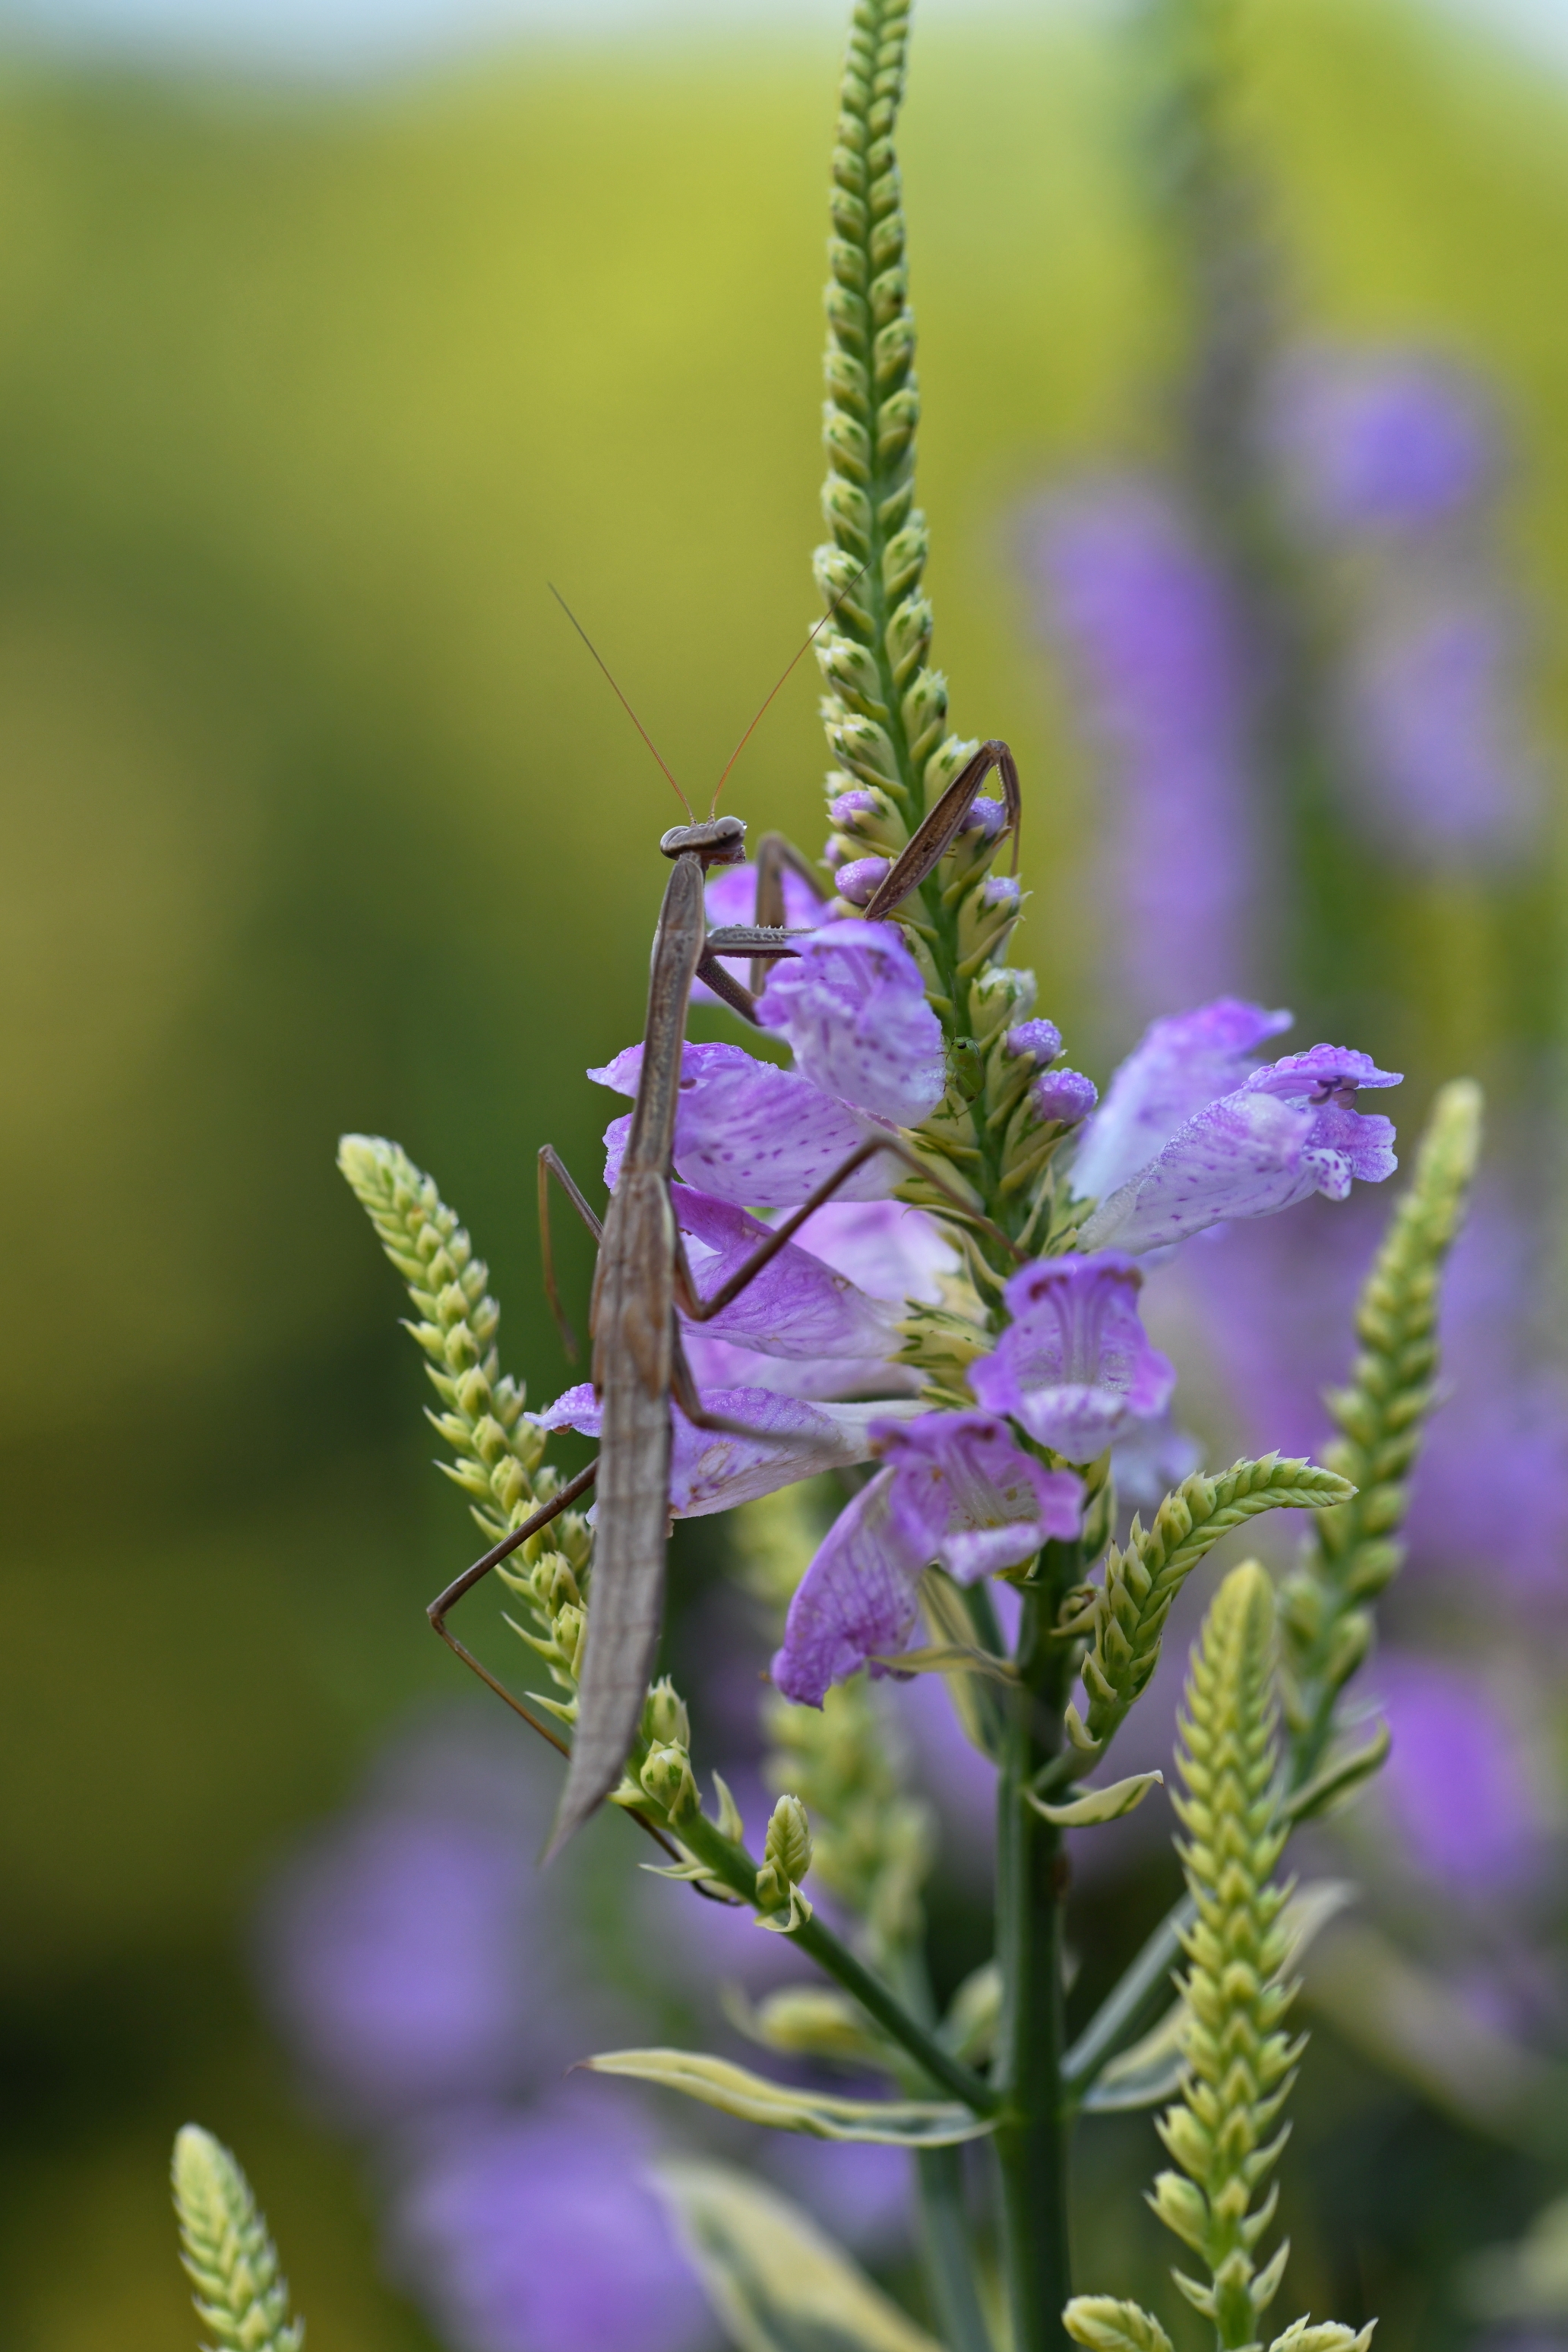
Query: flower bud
(664, 1718)
(1040, 1038)
(858, 880)
(787, 1847)
(1065, 1095)
(667, 1777)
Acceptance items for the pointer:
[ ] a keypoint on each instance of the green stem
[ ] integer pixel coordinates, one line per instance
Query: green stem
(734, 1867)
(1031, 2140)
(948, 2253)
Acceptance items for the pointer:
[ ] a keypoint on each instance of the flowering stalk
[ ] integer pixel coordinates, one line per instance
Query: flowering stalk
(1240, 2064)
(240, 2291)
(1354, 1549)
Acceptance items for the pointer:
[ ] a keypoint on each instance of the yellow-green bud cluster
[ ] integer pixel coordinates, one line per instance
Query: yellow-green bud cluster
(874, 1841)
(456, 1321)
(241, 2295)
(1382, 1416)
(1143, 1580)
(1241, 2066)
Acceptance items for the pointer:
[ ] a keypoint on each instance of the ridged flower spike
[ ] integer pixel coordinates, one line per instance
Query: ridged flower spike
(240, 2292)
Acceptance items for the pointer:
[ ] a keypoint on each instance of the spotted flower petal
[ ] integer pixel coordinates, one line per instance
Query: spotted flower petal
(1285, 1134)
(751, 1134)
(958, 1489)
(712, 1470)
(1179, 1065)
(852, 1007)
(1075, 1367)
(796, 1306)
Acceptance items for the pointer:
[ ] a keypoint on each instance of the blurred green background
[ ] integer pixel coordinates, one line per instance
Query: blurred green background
(318, 817)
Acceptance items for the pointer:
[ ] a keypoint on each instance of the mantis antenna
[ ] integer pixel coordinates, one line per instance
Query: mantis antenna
(794, 657)
(625, 706)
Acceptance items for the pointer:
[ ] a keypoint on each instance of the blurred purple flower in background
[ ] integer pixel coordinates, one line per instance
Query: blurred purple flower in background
(1368, 440)
(1457, 1785)
(538, 2232)
(397, 1950)
(1144, 617)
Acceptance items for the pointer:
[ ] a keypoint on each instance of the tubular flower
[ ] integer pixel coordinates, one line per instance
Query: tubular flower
(958, 1491)
(1178, 1065)
(852, 1007)
(730, 896)
(796, 1306)
(1075, 1367)
(1288, 1130)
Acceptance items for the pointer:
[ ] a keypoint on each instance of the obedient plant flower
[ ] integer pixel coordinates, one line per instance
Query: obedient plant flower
(1178, 1067)
(1288, 1130)
(1395, 440)
(1075, 1367)
(852, 1007)
(960, 1491)
(797, 1305)
(730, 896)
(890, 1255)
(712, 1470)
(749, 1133)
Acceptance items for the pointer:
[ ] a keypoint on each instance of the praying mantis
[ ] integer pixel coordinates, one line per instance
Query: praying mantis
(642, 1280)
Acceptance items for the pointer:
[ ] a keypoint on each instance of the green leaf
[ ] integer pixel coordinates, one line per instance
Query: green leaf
(1150, 2071)
(894, 2123)
(777, 2284)
(950, 1658)
(1107, 2325)
(1097, 1805)
(1339, 1779)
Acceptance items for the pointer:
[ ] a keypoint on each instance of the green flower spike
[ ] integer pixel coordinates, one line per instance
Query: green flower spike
(1129, 1608)
(886, 709)
(1241, 2066)
(240, 2292)
(1382, 1416)
(499, 1452)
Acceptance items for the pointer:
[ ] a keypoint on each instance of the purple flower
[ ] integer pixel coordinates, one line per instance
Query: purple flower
(892, 1254)
(1457, 1783)
(536, 2233)
(796, 1306)
(1064, 1095)
(1436, 741)
(732, 898)
(1075, 1367)
(397, 1949)
(712, 1470)
(851, 804)
(1287, 1132)
(751, 1134)
(1375, 439)
(1158, 659)
(959, 1490)
(1178, 1067)
(852, 1007)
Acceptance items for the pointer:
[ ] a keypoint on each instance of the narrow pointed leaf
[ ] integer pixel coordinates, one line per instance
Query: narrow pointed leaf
(1097, 1805)
(893, 2123)
(777, 2281)
(1339, 1779)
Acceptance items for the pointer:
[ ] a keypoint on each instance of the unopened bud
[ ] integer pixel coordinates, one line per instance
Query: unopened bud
(665, 1721)
(787, 1846)
(667, 1777)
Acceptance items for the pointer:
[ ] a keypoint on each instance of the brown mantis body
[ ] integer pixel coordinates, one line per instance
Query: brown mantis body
(641, 1278)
